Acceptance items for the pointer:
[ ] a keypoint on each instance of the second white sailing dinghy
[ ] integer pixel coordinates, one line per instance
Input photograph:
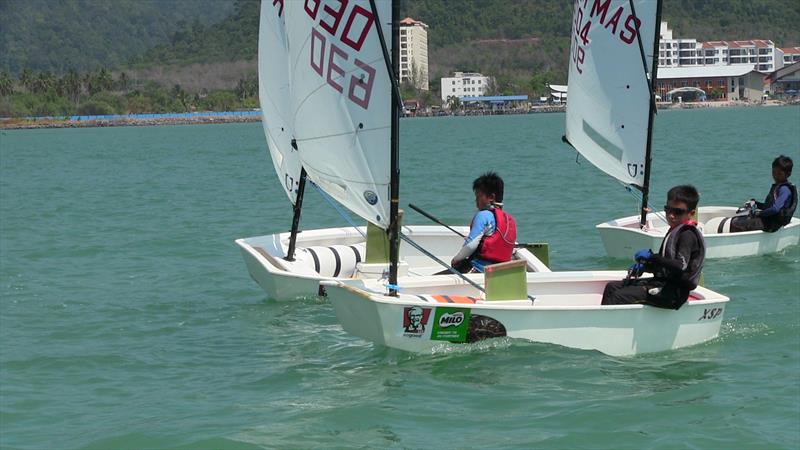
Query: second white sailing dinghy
(327, 100)
(561, 308)
(610, 115)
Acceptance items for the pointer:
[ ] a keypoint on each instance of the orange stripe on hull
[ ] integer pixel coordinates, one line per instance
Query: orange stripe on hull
(454, 299)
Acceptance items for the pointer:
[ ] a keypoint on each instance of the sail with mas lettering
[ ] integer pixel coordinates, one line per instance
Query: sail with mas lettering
(609, 94)
(275, 96)
(341, 98)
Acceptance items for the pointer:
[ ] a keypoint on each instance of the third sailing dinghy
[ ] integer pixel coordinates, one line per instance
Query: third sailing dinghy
(326, 100)
(561, 308)
(610, 115)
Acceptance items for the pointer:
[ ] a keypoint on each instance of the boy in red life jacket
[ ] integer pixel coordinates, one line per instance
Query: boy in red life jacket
(493, 232)
(677, 265)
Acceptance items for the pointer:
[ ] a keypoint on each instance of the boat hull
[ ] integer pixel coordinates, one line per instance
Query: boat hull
(566, 312)
(284, 280)
(622, 237)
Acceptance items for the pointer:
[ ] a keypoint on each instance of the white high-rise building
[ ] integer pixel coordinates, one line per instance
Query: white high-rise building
(414, 53)
(676, 52)
(760, 54)
(464, 84)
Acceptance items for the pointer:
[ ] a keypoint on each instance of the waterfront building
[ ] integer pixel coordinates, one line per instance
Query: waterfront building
(731, 82)
(757, 54)
(559, 93)
(414, 53)
(464, 84)
(791, 55)
(495, 104)
(674, 52)
(785, 82)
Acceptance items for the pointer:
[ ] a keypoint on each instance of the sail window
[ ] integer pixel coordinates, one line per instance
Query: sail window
(602, 142)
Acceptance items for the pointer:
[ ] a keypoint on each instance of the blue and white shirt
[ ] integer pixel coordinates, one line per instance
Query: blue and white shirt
(483, 224)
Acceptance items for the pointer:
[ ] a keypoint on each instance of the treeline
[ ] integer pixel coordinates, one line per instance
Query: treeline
(57, 35)
(523, 44)
(465, 23)
(102, 92)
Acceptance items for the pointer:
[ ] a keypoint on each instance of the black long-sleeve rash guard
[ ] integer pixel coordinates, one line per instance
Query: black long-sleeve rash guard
(676, 270)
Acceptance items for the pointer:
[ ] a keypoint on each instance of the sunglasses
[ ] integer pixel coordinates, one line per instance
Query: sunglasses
(677, 211)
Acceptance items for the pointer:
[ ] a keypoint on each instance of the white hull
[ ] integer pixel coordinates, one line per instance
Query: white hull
(566, 312)
(622, 237)
(285, 280)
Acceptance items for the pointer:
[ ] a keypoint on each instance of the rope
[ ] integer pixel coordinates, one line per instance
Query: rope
(338, 208)
(660, 214)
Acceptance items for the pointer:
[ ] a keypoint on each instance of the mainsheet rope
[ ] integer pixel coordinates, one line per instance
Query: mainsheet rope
(338, 208)
(638, 196)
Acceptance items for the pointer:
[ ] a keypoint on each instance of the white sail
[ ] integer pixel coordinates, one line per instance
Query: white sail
(341, 94)
(609, 98)
(274, 96)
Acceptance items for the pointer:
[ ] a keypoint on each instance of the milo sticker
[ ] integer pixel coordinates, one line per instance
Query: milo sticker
(450, 324)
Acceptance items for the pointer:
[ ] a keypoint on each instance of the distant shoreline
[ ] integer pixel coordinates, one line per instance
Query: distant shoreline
(23, 124)
(143, 120)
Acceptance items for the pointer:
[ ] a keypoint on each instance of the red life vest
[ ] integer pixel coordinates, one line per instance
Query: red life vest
(499, 246)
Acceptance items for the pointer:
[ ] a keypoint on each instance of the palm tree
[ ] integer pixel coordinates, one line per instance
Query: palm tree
(252, 86)
(123, 81)
(73, 85)
(103, 80)
(6, 84)
(90, 84)
(26, 78)
(454, 102)
(241, 89)
(43, 82)
(181, 96)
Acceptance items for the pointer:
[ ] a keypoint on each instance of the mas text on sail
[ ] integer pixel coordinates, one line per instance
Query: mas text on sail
(619, 21)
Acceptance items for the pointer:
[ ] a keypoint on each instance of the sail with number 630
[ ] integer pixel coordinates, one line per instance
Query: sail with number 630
(341, 100)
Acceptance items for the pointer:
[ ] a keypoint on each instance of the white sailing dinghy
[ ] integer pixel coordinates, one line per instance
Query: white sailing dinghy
(608, 123)
(326, 100)
(558, 307)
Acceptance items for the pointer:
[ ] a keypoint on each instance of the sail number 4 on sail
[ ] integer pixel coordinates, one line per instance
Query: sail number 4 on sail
(599, 10)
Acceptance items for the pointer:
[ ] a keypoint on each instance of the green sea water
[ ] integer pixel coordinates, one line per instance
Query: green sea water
(128, 319)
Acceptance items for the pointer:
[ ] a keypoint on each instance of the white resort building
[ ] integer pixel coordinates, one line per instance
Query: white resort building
(464, 84)
(414, 53)
(791, 55)
(757, 54)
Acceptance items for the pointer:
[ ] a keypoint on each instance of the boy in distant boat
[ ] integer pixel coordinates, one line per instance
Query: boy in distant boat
(777, 209)
(493, 232)
(677, 265)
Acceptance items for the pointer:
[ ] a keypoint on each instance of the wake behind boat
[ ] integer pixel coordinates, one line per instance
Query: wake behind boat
(609, 121)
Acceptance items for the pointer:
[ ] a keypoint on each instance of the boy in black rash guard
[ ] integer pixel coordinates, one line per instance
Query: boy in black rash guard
(778, 207)
(677, 265)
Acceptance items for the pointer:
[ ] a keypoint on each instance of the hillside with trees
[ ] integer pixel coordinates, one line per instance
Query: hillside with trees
(522, 43)
(59, 35)
(469, 20)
